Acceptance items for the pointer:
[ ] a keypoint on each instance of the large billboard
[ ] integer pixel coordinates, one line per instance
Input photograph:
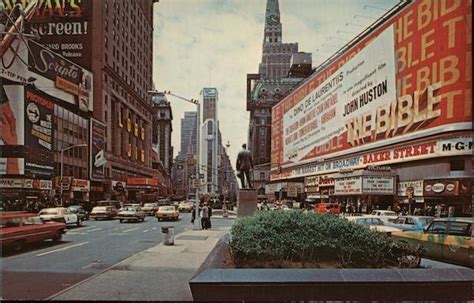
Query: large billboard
(39, 125)
(53, 70)
(64, 26)
(12, 130)
(408, 79)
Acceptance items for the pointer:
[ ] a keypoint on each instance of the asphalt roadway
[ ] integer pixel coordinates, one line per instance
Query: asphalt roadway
(46, 268)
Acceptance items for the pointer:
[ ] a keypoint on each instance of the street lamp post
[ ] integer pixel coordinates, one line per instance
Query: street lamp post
(62, 167)
(198, 172)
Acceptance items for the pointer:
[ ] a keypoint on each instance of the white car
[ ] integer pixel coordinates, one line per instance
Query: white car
(384, 215)
(374, 223)
(60, 214)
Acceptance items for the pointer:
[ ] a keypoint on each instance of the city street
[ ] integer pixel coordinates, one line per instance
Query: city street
(46, 268)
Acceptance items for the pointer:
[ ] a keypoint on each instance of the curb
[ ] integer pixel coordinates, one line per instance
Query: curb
(111, 267)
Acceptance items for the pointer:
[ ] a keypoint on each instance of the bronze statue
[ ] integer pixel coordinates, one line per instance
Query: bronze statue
(244, 165)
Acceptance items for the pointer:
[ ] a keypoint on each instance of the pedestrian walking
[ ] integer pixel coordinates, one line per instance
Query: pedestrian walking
(204, 216)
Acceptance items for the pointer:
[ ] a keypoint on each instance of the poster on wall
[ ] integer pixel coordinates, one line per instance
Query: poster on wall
(39, 125)
(407, 79)
(97, 150)
(365, 83)
(12, 140)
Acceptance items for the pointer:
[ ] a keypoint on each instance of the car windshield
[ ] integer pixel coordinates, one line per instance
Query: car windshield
(49, 211)
(167, 208)
(32, 221)
(129, 209)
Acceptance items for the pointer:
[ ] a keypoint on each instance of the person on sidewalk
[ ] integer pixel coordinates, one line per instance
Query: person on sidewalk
(204, 216)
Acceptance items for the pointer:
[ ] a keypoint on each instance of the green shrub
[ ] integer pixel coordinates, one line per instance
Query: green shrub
(282, 236)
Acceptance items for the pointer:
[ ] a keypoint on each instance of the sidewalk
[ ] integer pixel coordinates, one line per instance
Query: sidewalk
(160, 273)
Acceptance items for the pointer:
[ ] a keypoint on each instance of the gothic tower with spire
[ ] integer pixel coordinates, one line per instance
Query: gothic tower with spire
(265, 89)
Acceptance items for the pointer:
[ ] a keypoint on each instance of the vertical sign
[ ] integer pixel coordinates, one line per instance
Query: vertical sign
(38, 134)
(97, 150)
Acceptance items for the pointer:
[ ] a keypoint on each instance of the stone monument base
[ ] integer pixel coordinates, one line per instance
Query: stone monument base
(246, 202)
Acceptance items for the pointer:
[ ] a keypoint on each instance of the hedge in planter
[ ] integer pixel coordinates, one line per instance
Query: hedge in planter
(295, 236)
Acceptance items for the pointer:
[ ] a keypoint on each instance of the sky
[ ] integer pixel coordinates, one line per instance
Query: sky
(216, 43)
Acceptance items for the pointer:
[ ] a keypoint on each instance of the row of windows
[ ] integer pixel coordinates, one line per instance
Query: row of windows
(277, 58)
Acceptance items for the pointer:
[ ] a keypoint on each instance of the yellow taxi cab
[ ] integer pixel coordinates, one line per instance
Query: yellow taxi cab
(167, 212)
(445, 239)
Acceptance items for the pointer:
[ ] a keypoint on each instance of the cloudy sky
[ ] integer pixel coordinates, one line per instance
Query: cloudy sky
(216, 43)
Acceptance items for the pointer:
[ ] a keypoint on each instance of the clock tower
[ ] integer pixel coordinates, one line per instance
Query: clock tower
(266, 89)
(272, 23)
(276, 55)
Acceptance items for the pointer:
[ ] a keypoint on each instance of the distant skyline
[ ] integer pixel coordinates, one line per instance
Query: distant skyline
(216, 43)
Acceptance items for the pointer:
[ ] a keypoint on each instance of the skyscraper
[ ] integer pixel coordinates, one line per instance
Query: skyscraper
(188, 133)
(122, 65)
(209, 139)
(185, 165)
(266, 88)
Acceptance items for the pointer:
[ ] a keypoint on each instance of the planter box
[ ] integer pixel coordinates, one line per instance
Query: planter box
(212, 283)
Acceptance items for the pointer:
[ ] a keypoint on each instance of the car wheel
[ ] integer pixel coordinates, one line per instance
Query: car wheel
(18, 245)
(95, 219)
(57, 236)
(158, 219)
(121, 220)
(78, 223)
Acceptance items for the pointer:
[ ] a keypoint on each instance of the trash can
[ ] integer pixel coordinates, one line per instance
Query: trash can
(168, 232)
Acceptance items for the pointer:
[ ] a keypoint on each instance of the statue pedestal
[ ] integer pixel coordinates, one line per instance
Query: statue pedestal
(246, 202)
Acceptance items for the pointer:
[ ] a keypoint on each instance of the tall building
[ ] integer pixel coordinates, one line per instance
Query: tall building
(162, 129)
(185, 164)
(188, 133)
(265, 89)
(209, 140)
(121, 59)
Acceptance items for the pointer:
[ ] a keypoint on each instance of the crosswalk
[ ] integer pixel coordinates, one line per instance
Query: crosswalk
(117, 231)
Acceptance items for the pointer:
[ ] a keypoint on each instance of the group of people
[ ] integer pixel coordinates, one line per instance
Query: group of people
(32, 206)
(205, 212)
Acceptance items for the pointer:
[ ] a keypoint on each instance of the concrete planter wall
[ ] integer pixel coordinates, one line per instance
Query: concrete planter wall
(212, 283)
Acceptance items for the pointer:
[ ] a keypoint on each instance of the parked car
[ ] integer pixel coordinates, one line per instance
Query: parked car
(385, 215)
(167, 212)
(59, 214)
(411, 222)
(79, 211)
(130, 213)
(445, 239)
(150, 208)
(103, 212)
(20, 228)
(374, 223)
(185, 206)
(321, 208)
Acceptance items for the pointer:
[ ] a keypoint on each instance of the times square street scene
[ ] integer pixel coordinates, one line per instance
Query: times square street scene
(236, 150)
